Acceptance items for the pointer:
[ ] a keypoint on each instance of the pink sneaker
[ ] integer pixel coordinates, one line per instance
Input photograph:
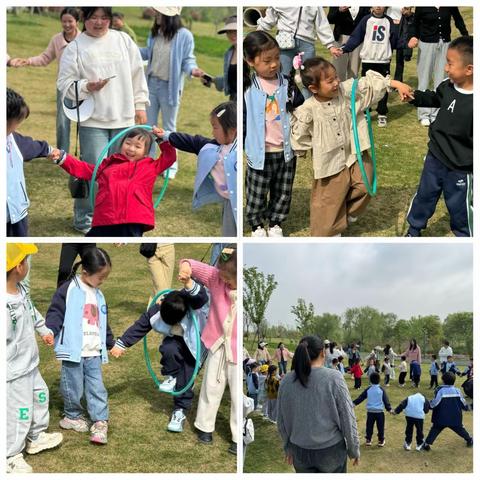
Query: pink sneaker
(98, 432)
(77, 424)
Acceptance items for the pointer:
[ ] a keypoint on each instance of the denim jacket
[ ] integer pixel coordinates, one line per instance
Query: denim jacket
(64, 318)
(254, 120)
(207, 150)
(182, 62)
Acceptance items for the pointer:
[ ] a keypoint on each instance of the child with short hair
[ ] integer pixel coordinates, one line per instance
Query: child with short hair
(450, 366)
(434, 369)
(27, 393)
(119, 23)
(447, 407)
(220, 337)
(377, 400)
(19, 149)
(123, 204)
(340, 366)
(178, 349)
(402, 370)
(356, 372)
(253, 383)
(371, 367)
(334, 363)
(415, 407)
(269, 98)
(77, 317)
(216, 177)
(448, 166)
(323, 125)
(387, 371)
(272, 384)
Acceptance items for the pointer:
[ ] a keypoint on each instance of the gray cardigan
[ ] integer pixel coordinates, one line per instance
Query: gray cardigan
(318, 416)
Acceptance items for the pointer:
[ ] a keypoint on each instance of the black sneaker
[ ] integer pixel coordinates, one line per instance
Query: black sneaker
(426, 447)
(232, 448)
(470, 443)
(204, 437)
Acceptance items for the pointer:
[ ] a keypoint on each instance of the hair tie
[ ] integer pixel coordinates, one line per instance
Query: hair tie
(220, 113)
(298, 61)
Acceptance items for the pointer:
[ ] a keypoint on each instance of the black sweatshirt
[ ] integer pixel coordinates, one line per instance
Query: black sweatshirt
(451, 134)
(343, 21)
(431, 24)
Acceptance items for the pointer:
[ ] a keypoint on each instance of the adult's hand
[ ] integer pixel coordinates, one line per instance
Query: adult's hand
(140, 117)
(413, 42)
(356, 462)
(96, 86)
(18, 62)
(197, 72)
(336, 52)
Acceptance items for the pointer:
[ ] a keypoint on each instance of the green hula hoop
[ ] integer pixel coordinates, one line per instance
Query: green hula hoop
(197, 359)
(371, 189)
(104, 154)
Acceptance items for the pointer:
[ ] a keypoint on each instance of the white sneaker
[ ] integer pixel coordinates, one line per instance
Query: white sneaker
(425, 122)
(17, 464)
(407, 446)
(77, 424)
(351, 219)
(259, 232)
(168, 385)
(44, 442)
(382, 121)
(275, 231)
(418, 448)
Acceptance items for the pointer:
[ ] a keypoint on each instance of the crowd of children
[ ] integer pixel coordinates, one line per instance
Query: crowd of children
(281, 125)
(76, 325)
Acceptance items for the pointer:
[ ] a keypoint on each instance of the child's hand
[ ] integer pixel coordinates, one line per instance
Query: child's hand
(55, 155)
(336, 52)
(48, 339)
(392, 412)
(404, 90)
(186, 279)
(117, 351)
(185, 270)
(158, 132)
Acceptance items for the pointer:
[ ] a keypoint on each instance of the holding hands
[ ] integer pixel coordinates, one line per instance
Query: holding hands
(48, 339)
(18, 62)
(185, 275)
(117, 351)
(404, 90)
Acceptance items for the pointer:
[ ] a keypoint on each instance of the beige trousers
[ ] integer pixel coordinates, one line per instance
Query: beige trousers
(348, 65)
(335, 198)
(161, 267)
(218, 373)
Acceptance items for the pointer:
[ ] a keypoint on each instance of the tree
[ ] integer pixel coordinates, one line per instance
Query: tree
(427, 331)
(367, 324)
(458, 330)
(327, 325)
(401, 334)
(304, 316)
(257, 290)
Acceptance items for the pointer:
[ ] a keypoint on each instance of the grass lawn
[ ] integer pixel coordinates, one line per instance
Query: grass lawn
(266, 453)
(138, 440)
(400, 149)
(51, 210)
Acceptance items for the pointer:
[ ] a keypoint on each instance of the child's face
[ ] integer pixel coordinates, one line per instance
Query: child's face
(232, 36)
(328, 85)
(22, 269)
(456, 69)
(96, 279)
(117, 22)
(12, 125)
(219, 134)
(69, 24)
(378, 11)
(134, 148)
(267, 64)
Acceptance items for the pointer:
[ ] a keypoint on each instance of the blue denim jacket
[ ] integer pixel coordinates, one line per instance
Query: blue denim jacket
(64, 318)
(182, 62)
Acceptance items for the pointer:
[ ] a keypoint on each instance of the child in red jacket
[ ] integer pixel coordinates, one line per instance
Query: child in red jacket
(357, 373)
(123, 205)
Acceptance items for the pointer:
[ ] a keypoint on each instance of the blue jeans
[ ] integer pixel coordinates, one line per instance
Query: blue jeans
(77, 379)
(63, 126)
(92, 142)
(286, 58)
(158, 95)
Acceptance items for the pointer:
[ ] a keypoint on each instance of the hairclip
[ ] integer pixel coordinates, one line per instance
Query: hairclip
(298, 62)
(221, 112)
(226, 253)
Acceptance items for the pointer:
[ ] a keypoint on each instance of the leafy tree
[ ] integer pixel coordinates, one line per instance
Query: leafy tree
(401, 334)
(327, 325)
(367, 324)
(304, 316)
(257, 290)
(458, 330)
(427, 330)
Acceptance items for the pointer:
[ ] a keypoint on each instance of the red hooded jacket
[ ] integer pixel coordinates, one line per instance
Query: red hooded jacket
(125, 188)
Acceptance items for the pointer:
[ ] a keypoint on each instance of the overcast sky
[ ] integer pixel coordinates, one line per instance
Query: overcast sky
(408, 280)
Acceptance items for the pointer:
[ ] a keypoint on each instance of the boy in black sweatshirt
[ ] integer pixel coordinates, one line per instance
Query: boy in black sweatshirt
(448, 167)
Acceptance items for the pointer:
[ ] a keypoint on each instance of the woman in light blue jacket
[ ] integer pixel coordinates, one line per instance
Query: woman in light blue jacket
(170, 56)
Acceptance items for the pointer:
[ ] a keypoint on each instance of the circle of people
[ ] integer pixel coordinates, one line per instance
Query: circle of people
(103, 86)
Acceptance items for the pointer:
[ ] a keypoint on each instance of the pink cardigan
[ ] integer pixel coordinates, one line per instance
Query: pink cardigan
(220, 304)
(54, 51)
(413, 355)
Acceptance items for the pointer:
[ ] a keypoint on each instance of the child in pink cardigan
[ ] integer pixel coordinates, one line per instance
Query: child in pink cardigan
(220, 337)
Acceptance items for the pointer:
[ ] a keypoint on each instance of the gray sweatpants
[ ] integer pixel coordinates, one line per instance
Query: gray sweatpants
(27, 410)
(430, 63)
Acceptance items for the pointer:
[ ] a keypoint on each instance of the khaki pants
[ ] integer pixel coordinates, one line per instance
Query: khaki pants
(218, 373)
(161, 266)
(335, 198)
